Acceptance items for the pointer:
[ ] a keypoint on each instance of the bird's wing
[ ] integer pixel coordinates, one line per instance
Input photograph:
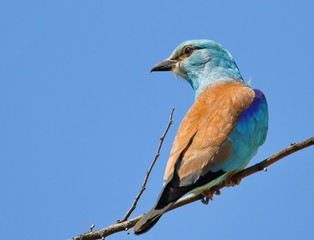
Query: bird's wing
(201, 141)
(248, 135)
(200, 144)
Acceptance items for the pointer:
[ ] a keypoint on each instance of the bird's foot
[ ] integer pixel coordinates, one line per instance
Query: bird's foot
(231, 182)
(208, 195)
(217, 192)
(205, 200)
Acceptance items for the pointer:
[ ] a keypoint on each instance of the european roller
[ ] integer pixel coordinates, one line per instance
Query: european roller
(221, 132)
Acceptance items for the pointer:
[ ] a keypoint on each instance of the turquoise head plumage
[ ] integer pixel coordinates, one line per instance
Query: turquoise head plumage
(201, 63)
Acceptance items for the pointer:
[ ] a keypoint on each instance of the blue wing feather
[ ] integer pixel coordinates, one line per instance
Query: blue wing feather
(248, 135)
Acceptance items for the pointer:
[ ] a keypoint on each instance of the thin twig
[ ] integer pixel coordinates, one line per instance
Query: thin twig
(118, 227)
(91, 227)
(127, 215)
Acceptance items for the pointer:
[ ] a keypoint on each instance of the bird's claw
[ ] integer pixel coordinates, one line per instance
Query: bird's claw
(208, 195)
(233, 183)
(205, 200)
(217, 192)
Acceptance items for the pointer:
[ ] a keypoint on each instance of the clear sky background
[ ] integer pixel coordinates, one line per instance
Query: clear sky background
(81, 115)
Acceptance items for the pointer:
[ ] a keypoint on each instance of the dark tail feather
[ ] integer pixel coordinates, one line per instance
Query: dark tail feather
(169, 195)
(166, 199)
(148, 220)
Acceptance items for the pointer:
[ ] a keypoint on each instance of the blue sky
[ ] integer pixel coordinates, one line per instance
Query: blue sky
(81, 115)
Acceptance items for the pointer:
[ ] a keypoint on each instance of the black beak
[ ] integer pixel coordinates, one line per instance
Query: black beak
(165, 65)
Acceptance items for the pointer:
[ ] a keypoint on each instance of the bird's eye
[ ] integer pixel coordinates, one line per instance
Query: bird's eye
(188, 50)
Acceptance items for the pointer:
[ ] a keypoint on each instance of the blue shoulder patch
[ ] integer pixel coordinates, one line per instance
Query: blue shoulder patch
(248, 135)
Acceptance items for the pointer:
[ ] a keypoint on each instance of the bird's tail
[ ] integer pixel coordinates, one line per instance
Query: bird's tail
(169, 195)
(149, 219)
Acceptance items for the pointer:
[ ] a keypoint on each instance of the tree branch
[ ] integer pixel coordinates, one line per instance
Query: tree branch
(122, 226)
(127, 215)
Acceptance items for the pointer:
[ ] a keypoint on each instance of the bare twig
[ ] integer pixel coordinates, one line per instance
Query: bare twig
(91, 227)
(118, 227)
(149, 170)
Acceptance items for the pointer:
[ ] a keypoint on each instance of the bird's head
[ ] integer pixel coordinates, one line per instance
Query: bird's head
(201, 63)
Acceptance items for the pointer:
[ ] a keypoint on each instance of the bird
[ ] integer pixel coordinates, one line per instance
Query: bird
(221, 131)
